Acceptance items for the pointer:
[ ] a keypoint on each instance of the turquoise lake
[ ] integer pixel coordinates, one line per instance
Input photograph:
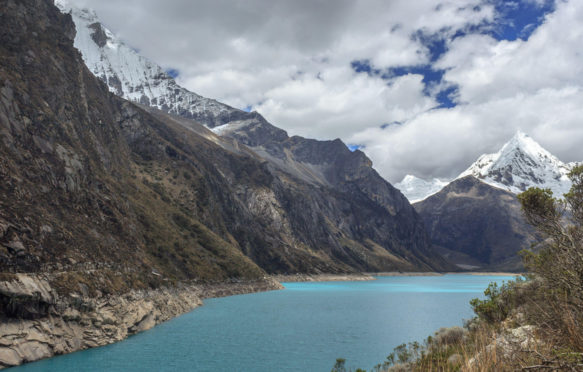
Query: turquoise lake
(302, 328)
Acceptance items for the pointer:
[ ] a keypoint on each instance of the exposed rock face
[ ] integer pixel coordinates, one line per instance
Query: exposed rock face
(476, 225)
(70, 323)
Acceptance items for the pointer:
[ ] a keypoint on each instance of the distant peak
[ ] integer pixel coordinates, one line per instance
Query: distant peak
(520, 134)
(521, 163)
(520, 138)
(525, 143)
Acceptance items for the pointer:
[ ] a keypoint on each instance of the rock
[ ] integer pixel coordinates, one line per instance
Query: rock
(15, 246)
(506, 345)
(148, 322)
(26, 297)
(34, 350)
(3, 228)
(35, 335)
(521, 338)
(9, 357)
(454, 360)
(27, 286)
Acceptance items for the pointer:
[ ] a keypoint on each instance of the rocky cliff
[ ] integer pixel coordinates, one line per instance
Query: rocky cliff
(477, 226)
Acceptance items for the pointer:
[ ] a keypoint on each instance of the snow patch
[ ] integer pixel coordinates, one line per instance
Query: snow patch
(416, 189)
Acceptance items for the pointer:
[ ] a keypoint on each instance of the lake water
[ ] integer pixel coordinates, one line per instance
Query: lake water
(302, 328)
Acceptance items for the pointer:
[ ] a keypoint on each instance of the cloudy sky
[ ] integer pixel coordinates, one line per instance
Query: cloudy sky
(423, 87)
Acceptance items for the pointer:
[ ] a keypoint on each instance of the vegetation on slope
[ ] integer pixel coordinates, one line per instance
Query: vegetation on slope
(532, 324)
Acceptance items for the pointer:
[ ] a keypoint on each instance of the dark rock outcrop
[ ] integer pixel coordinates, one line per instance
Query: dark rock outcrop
(476, 225)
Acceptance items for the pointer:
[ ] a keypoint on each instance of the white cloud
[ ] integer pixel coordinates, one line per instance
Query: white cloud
(291, 61)
(338, 102)
(444, 142)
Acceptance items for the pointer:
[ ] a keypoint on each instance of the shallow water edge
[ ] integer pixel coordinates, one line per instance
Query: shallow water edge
(80, 323)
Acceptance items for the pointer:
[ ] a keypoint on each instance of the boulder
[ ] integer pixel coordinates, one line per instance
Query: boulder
(9, 357)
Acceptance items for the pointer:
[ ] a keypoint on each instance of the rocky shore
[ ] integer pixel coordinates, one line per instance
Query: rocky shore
(322, 278)
(38, 323)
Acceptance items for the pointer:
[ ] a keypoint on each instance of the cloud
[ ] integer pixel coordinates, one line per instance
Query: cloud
(291, 61)
(239, 50)
(444, 142)
(535, 85)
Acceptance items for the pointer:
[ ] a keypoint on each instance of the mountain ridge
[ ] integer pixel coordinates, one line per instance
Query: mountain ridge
(476, 225)
(519, 164)
(522, 163)
(136, 78)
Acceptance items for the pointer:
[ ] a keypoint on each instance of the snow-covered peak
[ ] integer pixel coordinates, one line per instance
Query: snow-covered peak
(522, 163)
(87, 14)
(136, 78)
(417, 189)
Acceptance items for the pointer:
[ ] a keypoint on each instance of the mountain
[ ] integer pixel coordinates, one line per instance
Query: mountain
(476, 225)
(135, 78)
(320, 192)
(417, 189)
(522, 163)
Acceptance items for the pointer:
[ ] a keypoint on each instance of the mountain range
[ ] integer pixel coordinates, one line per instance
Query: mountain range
(334, 179)
(124, 195)
(329, 165)
(108, 194)
(521, 163)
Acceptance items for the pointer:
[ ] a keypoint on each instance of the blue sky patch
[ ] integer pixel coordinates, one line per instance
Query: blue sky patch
(518, 19)
(353, 148)
(431, 77)
(514, 20)
(173, 73)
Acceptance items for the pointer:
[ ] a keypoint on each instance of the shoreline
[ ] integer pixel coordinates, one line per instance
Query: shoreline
(65, 324)
(368, 276)
(492, 273)
(298, 278)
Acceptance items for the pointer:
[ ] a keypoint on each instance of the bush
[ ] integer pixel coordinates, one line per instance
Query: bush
(559, 263)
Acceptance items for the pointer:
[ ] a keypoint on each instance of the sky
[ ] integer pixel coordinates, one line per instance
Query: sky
(422, 87)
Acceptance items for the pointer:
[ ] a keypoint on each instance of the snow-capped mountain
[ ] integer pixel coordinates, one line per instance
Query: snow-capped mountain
(417, 189)
(522, 163)
(136, 78)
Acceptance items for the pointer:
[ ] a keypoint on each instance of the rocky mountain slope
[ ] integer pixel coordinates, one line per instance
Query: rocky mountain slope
(112, 214)
(522, 163)
(476, 225)
(324, 190)
(93, 182)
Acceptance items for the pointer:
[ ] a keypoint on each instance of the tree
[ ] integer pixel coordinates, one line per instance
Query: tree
(558, 264)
